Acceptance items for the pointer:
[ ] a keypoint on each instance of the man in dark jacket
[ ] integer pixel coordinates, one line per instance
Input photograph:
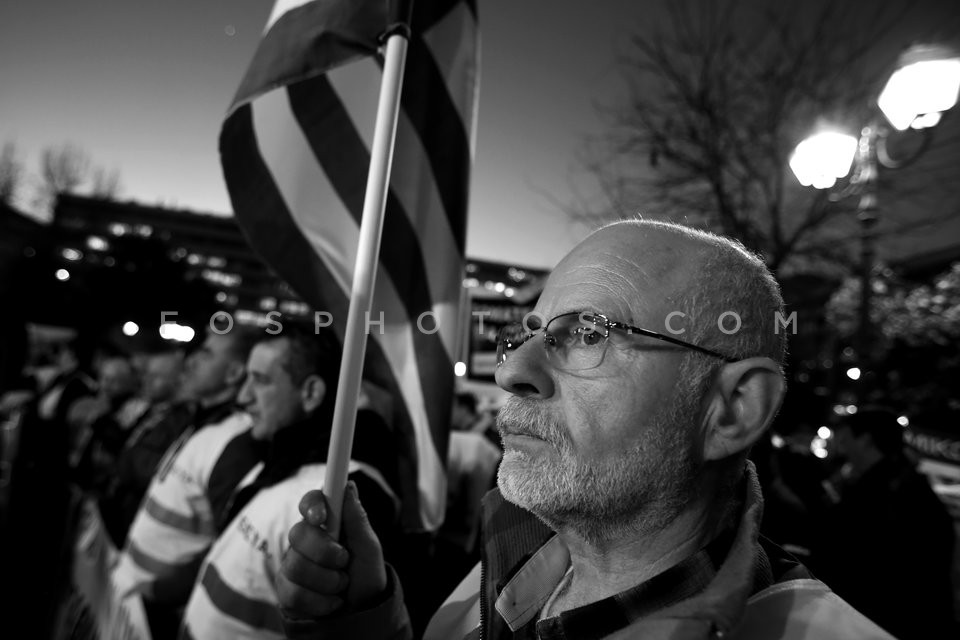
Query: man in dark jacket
(887, 545)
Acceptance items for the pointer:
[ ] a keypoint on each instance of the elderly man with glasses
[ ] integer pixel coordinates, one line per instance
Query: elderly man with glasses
(626, 505)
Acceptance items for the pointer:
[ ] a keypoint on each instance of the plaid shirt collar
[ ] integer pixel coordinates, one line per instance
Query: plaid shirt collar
(523, 598)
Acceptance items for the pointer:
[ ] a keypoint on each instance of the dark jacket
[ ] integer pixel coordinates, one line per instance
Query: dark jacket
(758, 592)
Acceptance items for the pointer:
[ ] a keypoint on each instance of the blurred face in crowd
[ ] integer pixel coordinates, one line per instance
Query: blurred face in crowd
(116, 379)
(212, 368)
(852, 448)
(270, 395)
(161, 377)
(463, 418)
(604, 444)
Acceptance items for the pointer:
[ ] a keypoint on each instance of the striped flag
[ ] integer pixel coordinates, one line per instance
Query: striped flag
(295, 149)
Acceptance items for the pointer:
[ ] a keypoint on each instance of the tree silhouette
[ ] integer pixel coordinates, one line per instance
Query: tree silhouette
(11, 173)
(718, 95)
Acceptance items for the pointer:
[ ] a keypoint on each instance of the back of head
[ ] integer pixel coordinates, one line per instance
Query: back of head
(731, 302)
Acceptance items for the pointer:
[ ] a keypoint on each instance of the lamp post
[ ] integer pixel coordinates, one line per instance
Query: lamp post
(924, 85)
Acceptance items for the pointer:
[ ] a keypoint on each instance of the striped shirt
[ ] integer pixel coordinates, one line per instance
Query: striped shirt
(235, 596)
(174, 527)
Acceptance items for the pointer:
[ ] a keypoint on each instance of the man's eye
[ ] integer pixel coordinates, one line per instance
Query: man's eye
(587, 336)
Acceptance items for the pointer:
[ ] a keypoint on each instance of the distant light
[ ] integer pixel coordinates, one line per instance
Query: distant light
(71, 254)
(194, 258)
(470, 283)
(851, 409)
(268, 304)
(118, 229)
(839, 409)
(176, 332)
(221, 296)
(97, 243)
(903, 421)
(509, 292)
(854, 373)
(499, 287)
(62, 275)
(926, 121)
(460, 369)
(777, 441)
(130, 328)
(824, 432)
(230, 30)
(822, 158)
(109, 261)
(818, 446)
(926, 85)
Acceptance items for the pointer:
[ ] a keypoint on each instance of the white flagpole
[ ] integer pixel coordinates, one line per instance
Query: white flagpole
(364, 276)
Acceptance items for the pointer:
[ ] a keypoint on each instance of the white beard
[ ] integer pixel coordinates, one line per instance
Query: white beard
(639, 490)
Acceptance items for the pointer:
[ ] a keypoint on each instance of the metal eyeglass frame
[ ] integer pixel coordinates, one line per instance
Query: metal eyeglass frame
(599, 320)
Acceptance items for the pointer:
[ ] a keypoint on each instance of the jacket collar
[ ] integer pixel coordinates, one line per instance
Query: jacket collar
(521, 592)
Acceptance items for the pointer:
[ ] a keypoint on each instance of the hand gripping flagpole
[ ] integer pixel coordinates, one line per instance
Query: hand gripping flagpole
(364, 275)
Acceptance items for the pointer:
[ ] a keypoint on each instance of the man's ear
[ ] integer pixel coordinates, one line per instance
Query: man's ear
(312, 392)
(743, 402)
(236, 371)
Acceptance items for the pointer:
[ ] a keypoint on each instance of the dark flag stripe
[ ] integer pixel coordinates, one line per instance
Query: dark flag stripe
(339, 150)
(266, 223)
(296, 167)
(310, 39)
(428, 106)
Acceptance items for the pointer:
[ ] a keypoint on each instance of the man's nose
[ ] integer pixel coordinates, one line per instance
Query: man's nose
(245, 397)
(526, 372)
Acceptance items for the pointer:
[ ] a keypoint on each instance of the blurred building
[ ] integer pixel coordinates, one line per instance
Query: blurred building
(89, 235)
(211, 248)
(19, 236)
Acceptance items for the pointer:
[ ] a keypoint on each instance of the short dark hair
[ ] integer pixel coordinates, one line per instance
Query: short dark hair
(310, 353)
(881, 424)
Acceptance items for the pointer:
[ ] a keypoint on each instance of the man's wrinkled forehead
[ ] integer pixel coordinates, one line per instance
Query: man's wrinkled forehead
(623, 267)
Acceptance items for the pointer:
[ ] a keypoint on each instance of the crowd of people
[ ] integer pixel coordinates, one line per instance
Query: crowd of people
(629, 486)
(193, 463)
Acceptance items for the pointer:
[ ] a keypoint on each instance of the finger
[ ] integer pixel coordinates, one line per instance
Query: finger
(303, 603)
(301, 571)
(313, 507)
(317, 546)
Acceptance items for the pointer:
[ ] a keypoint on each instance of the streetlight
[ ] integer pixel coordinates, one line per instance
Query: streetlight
(924, 85)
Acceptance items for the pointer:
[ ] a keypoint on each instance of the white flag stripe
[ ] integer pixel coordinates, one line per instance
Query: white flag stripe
(414, 185)
(280, 7)
(457, 62)
(358, 87)
(302, 185)
(412, 182)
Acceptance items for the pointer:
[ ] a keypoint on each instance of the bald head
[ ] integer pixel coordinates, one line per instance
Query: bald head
(701, 287)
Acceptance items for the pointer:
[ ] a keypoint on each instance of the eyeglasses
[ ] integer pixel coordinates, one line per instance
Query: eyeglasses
(577, 341)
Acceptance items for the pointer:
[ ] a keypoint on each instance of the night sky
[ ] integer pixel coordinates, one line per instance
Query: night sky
(143, 86)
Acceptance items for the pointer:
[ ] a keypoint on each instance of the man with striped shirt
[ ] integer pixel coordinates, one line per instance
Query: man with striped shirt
(175, 524)
(289, 395)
